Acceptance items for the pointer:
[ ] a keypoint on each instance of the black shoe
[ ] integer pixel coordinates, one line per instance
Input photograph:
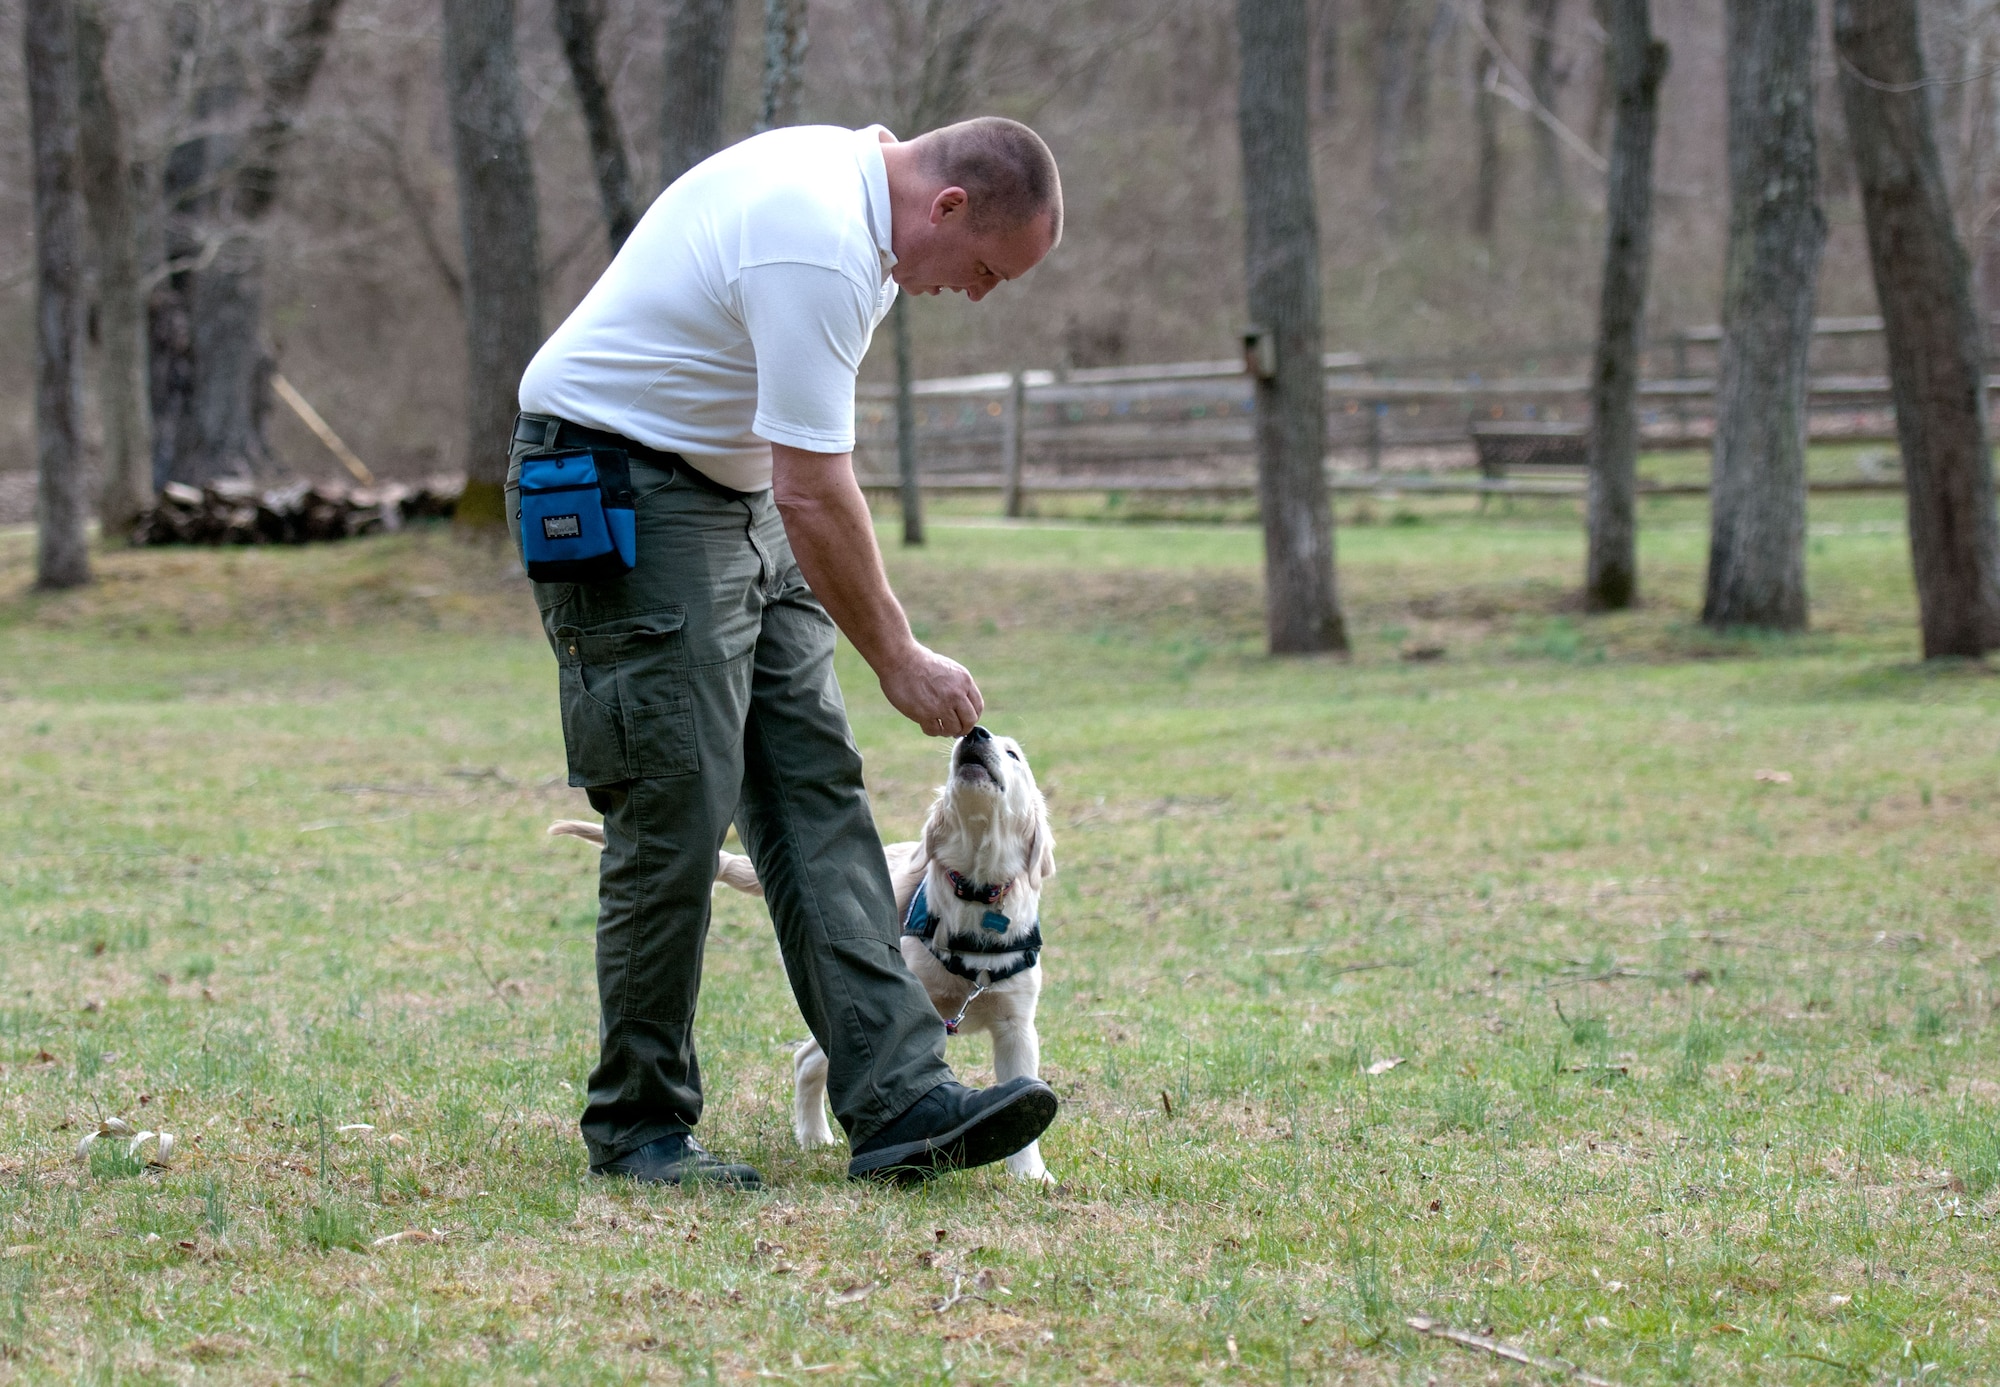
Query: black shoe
(678, 1159)
(953, 1128)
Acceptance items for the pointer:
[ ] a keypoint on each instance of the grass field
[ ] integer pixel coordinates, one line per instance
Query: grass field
(1697, 1073)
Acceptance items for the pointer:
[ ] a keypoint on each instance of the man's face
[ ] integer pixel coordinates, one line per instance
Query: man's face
(945, 253)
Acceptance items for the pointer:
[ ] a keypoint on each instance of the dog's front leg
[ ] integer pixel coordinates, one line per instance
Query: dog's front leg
(809, 1097)
(1017, 1053)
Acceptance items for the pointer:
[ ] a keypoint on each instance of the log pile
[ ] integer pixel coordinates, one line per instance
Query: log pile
(240, 512)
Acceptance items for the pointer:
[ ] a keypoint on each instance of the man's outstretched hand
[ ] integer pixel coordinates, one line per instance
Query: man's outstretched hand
(933, 691)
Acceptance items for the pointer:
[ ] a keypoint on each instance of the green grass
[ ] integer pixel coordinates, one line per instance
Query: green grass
(1698, 1075)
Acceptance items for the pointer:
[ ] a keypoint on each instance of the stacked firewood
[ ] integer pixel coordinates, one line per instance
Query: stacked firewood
(240, 512)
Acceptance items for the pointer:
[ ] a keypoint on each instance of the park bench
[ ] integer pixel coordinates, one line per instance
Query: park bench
(1505, 444)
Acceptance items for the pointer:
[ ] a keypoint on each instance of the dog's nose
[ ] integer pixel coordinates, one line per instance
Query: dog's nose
(978, 734)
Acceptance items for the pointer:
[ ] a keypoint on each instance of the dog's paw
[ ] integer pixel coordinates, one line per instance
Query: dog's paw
(1027, 1165)
(811, 1139)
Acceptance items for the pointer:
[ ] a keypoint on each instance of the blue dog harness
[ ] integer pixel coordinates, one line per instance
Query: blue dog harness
(922, 922)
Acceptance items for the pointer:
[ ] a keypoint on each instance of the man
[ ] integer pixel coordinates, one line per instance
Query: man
(719, 350)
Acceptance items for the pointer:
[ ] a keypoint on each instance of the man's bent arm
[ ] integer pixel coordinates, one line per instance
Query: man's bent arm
(832, 537)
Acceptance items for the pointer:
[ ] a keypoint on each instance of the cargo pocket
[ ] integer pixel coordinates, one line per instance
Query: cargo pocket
(627, 711)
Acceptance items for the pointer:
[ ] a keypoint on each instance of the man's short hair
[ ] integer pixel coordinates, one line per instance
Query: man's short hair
(1007, 172)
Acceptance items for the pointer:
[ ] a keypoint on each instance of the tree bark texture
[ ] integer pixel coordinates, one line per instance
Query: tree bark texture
(697, 72)
(1936, 350)
(1392, 23)
(912, 493)
(1638, 65)
(497, 223)
(576, 26)
(1326, 53)
(1757, 525)
(1542, 82)
(111, 188)
(1281, 260)
(784, 62)
(1486, 135)
(62, 496)
(211, 366)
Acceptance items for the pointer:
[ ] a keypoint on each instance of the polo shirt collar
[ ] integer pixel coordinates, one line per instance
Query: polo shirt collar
(875, 178)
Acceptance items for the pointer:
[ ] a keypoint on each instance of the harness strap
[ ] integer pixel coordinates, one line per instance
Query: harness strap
(924, 925)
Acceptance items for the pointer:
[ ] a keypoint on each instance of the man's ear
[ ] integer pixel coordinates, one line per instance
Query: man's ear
(949, 202)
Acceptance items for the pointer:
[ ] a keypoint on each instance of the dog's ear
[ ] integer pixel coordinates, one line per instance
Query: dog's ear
(1041, 851)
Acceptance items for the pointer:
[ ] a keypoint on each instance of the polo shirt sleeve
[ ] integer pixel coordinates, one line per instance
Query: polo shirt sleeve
(810, 326)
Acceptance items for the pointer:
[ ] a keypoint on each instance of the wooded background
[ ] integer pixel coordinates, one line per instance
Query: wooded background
(1421, 130)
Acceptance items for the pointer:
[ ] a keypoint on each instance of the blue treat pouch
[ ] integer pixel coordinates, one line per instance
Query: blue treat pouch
(577, 521)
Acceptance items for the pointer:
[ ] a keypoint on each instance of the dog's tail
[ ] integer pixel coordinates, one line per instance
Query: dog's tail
(731, 869)
(577, 828)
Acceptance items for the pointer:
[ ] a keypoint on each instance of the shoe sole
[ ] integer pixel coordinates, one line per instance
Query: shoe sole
(747, 1180)
(993, 1135)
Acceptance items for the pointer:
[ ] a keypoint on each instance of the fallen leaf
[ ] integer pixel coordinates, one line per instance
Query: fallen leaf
(1838, 1300)
(1774, 777)
(1727, 1328)
(853, 1295)
(1383, 1066)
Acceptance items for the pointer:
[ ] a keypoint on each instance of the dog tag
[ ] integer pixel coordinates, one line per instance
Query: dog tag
(994, 921)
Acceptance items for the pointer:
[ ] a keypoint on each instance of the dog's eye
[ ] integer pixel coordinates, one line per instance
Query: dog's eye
(1013, 756)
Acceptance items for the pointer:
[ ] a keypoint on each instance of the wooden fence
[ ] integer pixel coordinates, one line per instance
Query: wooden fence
(1187, 427)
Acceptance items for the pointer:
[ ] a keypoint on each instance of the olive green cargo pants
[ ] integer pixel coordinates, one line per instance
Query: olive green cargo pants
(697, 690)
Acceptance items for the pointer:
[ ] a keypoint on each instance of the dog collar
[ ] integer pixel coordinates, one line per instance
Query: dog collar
(968, 890)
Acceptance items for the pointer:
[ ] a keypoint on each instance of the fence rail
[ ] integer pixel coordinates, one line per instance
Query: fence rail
(1187, 426)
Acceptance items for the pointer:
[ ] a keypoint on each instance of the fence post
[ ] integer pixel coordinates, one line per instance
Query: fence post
(1013, 425)
(1375, 408)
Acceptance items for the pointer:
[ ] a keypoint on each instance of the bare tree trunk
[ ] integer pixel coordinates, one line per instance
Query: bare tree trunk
(110, 190)
(1423, 70)
(912, 493)
(1326, 52)
(1391, 24)
(697, 71)
(1542, 81)
(1486, 121)
(576, 26)
(784, 62)
(1936, 348)
(1281, 260)
(211, 368)
(1757, 525)
(1639, 64)
(497, 222)
(62, 504)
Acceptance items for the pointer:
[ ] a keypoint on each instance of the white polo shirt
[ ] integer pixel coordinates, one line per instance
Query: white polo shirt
(739, 309)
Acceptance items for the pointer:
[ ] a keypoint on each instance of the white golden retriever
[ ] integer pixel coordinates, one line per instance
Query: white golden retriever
(969, 896)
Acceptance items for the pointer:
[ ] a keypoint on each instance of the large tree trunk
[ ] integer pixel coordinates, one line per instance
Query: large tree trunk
(110, 189)
(1326, 53)
(497, 221)
(784, 62)
(697, 71)
(576, 26)
(912, 492)
(211, 368)
(1638, 63)
(1392, 23)
(1757, 528)
(1542, 81)
(1936, 350)
(1281, 260)
(62, 499)
(1486, 135)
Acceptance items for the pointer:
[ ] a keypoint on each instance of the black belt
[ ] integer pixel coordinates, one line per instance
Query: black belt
(549, 434)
